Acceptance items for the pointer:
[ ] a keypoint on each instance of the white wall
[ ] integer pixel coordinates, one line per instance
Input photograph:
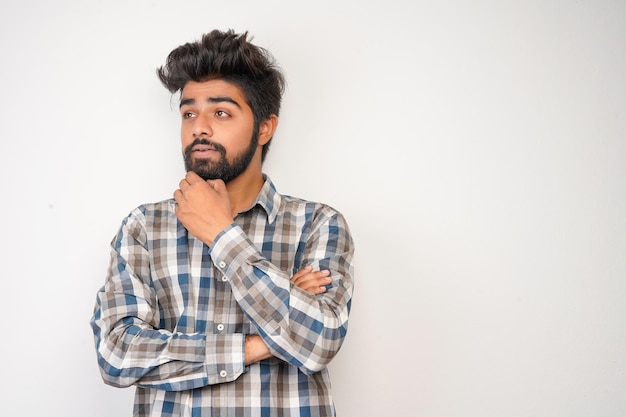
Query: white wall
(477, 149)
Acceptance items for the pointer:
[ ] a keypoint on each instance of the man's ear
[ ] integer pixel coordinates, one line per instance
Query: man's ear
(267, 129)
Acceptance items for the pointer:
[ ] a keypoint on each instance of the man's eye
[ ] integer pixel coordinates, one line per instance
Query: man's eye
(187, 115)
(221, 113)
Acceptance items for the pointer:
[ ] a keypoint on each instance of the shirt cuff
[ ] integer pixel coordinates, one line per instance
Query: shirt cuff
(225, 357)
(231, 249)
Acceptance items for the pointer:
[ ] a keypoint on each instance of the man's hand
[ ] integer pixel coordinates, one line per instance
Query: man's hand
(203, 207)
(313, 282)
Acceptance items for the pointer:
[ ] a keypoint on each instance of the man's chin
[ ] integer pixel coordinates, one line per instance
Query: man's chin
(207, 175)
(204, 170)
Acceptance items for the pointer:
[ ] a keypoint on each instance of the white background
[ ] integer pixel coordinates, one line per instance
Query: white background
(477, 149)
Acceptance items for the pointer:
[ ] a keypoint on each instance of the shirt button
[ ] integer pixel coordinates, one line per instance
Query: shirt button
(223, 373)
(224, 278)
(220, 327)
(222, 264)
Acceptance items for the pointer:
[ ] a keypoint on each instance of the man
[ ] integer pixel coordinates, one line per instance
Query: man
(230, 299)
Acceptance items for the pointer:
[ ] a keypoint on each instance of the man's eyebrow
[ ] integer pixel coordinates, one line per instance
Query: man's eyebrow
(189, 101)
(222, 100)
(185, 102)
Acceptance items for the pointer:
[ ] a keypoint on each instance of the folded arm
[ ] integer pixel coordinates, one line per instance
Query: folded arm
(132, 346)
(297, 326)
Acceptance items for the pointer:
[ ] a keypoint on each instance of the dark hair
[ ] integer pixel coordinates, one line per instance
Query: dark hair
(230, 57)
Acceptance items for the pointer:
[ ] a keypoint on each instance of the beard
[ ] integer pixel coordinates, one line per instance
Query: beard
(221, 169)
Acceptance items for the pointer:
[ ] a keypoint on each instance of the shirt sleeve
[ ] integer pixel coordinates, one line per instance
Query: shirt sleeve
(301, 328)
(131, 347)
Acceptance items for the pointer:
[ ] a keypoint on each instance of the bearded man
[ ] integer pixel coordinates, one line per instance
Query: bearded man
(229, 299)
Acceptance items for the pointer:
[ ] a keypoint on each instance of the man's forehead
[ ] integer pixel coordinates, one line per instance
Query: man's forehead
(211, 87)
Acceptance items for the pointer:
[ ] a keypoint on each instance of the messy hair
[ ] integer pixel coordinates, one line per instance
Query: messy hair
(230, 57)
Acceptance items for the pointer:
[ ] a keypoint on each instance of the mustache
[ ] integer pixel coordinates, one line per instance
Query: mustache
(203, 141)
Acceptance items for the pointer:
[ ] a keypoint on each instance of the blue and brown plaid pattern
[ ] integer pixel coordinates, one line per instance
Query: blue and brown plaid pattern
(173, 314)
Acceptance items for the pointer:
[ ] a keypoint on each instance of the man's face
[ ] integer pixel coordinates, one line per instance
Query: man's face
(217, 130)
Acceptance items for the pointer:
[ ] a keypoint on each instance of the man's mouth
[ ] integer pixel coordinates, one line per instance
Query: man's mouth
(202, 150)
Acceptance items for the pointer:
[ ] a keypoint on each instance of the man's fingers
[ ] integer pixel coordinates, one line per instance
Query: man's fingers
(217, 185)
(178, 194)
(313, 282)
(192, 177)
(315, 289)
(302, 272)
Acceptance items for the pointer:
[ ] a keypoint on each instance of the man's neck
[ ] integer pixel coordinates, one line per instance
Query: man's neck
(244, 189)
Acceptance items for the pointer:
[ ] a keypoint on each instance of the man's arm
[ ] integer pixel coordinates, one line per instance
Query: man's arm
(314, 282)
(132, 347)
(301, 328)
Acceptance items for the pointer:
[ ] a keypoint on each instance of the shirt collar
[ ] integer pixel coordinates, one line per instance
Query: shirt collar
(268, 199)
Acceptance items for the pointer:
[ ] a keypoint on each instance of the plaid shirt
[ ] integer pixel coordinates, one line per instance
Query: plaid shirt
(173, 314)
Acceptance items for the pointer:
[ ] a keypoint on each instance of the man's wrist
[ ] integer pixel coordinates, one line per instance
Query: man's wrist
(210, 237)
(255, 349)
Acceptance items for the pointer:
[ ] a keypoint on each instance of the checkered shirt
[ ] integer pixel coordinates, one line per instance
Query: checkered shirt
(173, 314)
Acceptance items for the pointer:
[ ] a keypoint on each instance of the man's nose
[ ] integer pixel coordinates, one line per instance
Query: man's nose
(202, 126)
